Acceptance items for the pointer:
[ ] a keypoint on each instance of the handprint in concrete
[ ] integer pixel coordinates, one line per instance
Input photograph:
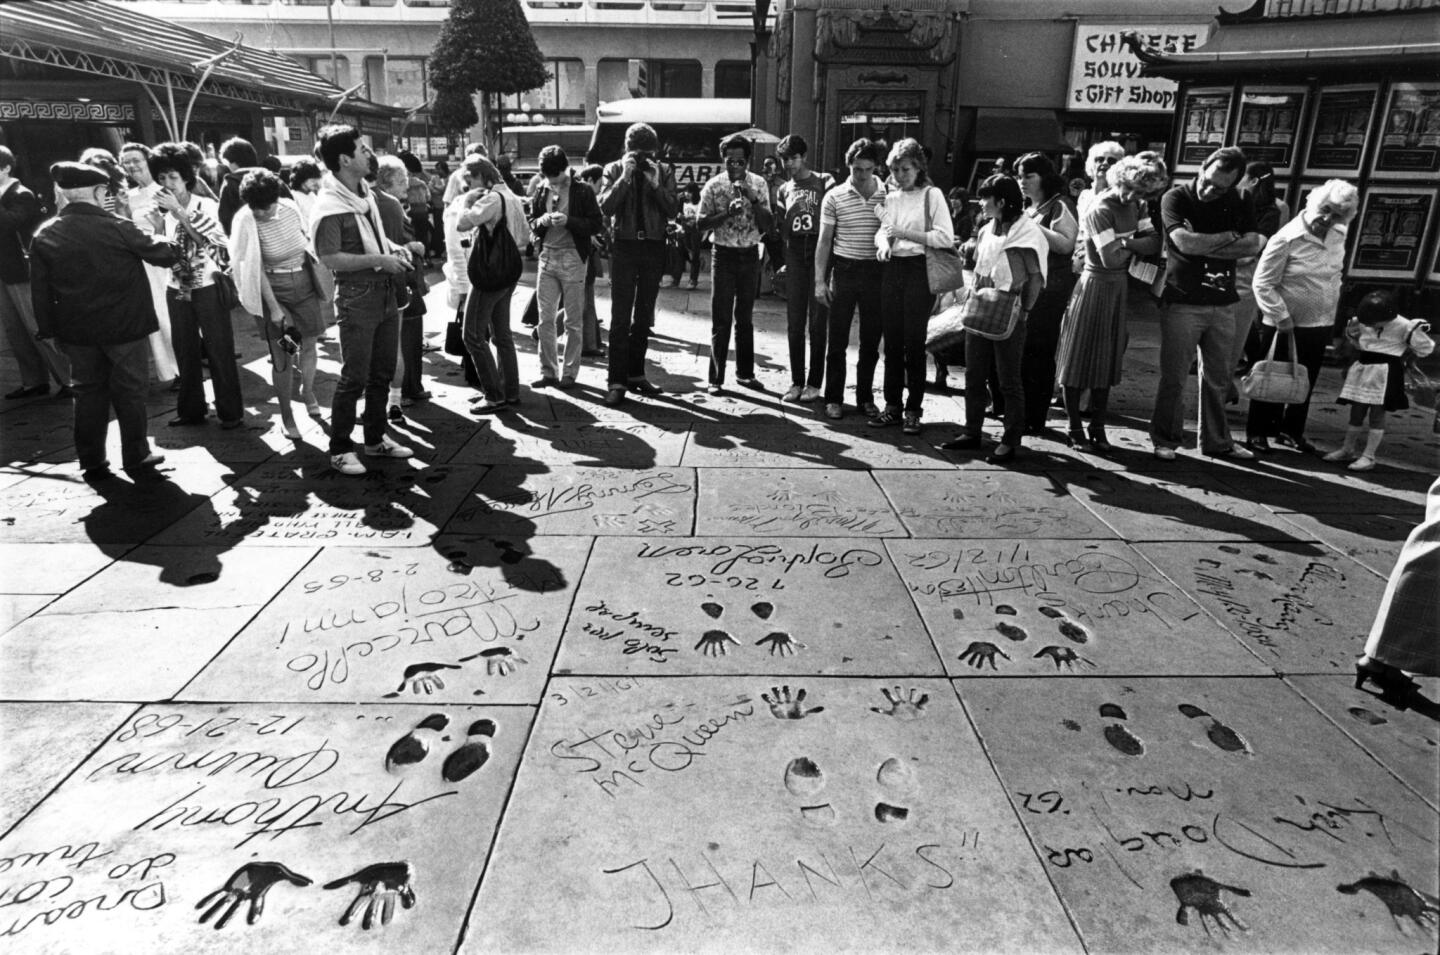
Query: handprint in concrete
(421, 678)
(785, 707)
(1064, 657)
(1402, 901)
(249, 883)
(981, 652)
(380, 884)
(905, 708)
(1201, 893)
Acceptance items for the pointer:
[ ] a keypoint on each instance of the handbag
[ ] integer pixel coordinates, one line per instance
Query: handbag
(944, 272)
(455, 338)
(1278, 382)
(494, 259)
(990, 312)
(946, 328)
(1420, 387)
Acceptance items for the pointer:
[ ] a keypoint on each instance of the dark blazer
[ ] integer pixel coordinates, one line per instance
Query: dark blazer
(87, 277)
(582, 222)
(19, 215)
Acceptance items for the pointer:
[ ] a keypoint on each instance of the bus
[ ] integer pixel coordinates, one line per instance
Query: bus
(690, 131)
(523, 144)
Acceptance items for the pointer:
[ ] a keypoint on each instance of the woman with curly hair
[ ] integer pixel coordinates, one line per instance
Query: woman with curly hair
(198, 318)
(1092, 333)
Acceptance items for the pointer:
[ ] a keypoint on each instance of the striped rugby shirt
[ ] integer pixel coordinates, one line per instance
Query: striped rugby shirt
(854, 219)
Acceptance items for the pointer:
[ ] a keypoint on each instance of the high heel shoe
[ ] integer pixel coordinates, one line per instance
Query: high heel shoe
(1079, 442)
(1387, 679)
(1098, 439)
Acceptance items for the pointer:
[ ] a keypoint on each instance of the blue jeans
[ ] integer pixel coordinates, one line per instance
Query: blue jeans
(201, 322)
(561, 281)
(803, 313)
(105, 377)
(733, 277)
(636, 267)
(853, 282)
(369, 339)
(487, 316)
(908, 302)
(1005, 357)
(1183, 328)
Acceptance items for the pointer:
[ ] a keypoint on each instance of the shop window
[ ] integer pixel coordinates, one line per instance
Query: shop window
(321, 66)
(560, 99)
(732, 79)
(887, 116)
(396, 81)
(674, 78)
(368, 3)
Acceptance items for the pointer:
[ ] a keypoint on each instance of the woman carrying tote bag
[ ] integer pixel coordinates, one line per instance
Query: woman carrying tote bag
(1010, 269)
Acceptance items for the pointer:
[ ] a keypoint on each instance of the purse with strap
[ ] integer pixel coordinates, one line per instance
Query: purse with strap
(494, 258)
(990, 312)
(1278, 382)
(944, 272)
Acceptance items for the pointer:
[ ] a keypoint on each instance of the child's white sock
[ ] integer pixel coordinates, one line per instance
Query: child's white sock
(1366, 461)
(1351, 448)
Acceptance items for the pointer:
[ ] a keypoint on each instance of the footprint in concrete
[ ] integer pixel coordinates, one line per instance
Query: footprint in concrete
(472, 754)
(1365, 716)
(896, 779)
(1006, 609)
(1227, 549)
(763, 609)
(1051, 612)
(804, 780)
(1221, 735)
(1257, 574)
(1117, 735)
(416, 744)
(1010, 632)
(712, 609)
(1402, 901)
(1267, 559)
(1209, 562)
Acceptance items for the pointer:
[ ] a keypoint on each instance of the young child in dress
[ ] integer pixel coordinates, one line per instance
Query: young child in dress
(1375, 382)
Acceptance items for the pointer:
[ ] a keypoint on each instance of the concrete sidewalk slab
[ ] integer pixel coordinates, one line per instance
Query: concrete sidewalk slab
(867, 823)
(388, 624)
(793, 502)
(735, 605)
(44, 742)
(984, 505)
(248, 827)
(521, 501)
(1060, 608)
(1193, 814)
(605, 445)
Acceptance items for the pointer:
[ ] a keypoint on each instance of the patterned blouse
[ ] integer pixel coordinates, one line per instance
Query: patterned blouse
(198, 260)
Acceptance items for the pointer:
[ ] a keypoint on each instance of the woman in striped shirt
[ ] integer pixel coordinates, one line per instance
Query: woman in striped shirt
(193, 223)
(275, 277)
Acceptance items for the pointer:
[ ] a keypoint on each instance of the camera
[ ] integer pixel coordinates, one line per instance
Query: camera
(642, 162)
(290, 340)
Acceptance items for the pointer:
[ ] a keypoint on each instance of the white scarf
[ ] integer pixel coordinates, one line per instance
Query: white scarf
(245, 261)
(990, 258)
(335, 199)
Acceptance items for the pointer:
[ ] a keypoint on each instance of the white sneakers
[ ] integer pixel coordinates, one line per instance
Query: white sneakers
(388, 449)
(349, 461)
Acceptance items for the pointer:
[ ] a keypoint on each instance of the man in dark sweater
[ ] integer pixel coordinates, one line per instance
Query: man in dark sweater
(239, 158)
(91, 294)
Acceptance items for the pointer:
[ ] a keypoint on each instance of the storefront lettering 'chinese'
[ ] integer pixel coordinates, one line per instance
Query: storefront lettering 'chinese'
(1105, 75)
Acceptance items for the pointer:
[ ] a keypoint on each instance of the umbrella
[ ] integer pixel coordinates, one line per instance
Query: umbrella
(757, 135)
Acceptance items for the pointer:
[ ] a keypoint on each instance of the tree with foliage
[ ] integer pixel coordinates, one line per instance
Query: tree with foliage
(485, 46)
(453, 111)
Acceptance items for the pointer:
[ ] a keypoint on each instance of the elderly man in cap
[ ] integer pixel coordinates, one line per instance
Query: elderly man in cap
(91, 294)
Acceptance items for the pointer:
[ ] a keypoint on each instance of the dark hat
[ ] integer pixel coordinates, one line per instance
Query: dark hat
(77, 175)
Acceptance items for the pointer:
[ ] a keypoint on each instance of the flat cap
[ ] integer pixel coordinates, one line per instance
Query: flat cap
(77, 175)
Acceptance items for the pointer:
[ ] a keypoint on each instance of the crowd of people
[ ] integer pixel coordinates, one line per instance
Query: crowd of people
(345, 239)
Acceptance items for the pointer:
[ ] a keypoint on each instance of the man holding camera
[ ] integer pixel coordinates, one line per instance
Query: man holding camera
(639, 197)
(736, 204)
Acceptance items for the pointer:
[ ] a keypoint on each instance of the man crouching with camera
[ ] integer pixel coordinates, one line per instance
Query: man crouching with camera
(639, 197)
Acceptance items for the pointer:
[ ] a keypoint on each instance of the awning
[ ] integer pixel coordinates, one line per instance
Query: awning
(1017, 130)
(1393, 42)
(118, 42)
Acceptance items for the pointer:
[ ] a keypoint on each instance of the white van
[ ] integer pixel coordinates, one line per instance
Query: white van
(690, 131)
